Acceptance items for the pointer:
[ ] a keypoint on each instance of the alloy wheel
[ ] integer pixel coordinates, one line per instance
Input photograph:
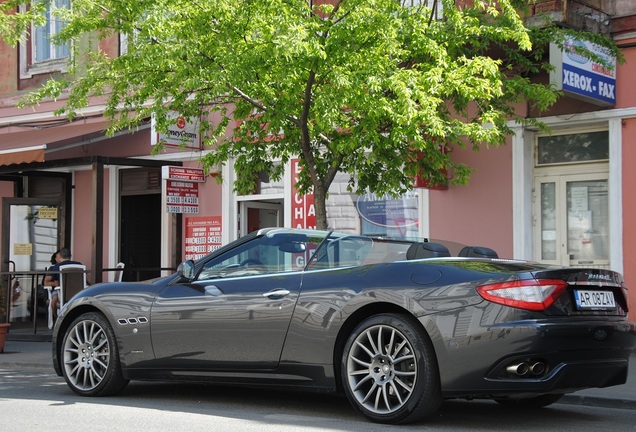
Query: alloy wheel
(381, 369)
(86, 355)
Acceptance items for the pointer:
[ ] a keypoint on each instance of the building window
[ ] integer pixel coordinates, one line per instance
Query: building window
(573, 148)
(40, 54)
(435, 5)
(43, 48)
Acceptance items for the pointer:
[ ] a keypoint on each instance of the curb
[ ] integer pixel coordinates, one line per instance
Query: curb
(23, 365)
(582, 400)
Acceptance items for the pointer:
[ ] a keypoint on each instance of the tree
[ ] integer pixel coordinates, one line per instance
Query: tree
(367, 87)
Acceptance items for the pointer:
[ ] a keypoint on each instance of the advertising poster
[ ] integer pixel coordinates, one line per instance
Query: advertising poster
(395, 216)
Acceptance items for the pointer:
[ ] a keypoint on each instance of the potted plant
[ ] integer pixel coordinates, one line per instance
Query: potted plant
(4, 326)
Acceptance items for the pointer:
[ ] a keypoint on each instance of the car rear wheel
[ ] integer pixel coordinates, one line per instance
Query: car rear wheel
(90, 357)
(530, 402)
(389, 370)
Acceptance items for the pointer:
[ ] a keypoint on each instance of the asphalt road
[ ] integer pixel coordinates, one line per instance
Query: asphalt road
(34, 399)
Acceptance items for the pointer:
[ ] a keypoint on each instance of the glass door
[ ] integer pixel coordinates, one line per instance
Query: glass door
(258, 214)
(572, 220)
(33, 231)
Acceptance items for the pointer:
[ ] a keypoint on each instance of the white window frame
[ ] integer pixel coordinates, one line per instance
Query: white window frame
(28, 65)
(561, 174)
(439, 10)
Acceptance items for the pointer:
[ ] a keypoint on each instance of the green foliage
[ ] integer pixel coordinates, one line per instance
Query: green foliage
(361, 86)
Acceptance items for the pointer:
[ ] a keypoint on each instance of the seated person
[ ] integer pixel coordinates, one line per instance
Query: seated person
(62, 257)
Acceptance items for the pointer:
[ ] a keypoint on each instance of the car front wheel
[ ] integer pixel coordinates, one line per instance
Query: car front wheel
(90, 357)
(389, 370)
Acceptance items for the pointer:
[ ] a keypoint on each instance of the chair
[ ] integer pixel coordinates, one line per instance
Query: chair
(119, 272)
(72, 281)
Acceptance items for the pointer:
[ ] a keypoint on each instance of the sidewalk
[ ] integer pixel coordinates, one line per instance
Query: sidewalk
(38, 355)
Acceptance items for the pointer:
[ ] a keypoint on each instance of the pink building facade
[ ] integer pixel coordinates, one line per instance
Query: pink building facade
(566, 198)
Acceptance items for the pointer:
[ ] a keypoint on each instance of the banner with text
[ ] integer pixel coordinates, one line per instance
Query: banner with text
(302, 206)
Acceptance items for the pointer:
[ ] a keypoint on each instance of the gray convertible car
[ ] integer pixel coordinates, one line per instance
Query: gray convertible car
(398, 326)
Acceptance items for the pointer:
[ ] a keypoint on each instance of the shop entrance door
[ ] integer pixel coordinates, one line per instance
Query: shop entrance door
(140, 223)
(141, 236)
(255, 215)
(572, 227)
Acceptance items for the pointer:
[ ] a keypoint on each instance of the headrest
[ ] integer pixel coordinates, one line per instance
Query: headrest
(426, 250)
(478, 252)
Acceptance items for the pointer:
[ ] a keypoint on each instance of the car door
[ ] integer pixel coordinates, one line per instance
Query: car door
(226, 322)
(234, 315)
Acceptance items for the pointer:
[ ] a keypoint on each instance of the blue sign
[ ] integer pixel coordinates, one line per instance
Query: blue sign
(387, 211)
(580, 77)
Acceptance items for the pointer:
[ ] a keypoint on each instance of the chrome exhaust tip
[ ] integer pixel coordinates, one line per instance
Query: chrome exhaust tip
(537, 368)
(519, 369)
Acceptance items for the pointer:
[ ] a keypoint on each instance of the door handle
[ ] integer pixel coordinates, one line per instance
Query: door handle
(279, 292)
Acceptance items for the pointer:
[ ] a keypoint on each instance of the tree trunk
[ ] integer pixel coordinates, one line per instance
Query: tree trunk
(320, 202)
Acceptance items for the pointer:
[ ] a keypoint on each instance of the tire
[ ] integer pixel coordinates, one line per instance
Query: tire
(389, 370)
(534, 402)
(90, 357)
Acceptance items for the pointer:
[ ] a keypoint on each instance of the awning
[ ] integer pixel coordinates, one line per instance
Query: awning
(30, 146)
(22, 155)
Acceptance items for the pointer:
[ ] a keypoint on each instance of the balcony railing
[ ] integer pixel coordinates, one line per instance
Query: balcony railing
(587, 15)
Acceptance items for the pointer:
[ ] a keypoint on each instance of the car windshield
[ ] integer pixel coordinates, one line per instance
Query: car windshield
(274, 251)
(283, 250)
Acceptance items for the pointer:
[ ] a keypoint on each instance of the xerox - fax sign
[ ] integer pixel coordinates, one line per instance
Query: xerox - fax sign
(590, 86)
(580, 76)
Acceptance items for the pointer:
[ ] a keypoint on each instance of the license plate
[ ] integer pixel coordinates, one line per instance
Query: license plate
(594, 300)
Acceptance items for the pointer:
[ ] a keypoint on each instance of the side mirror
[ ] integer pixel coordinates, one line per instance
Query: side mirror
(186, 270)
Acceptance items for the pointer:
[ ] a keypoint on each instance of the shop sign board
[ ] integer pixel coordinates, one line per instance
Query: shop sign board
(23, 249)
(183, 134)
(47, 213)
(202, 236)
(581, 77)
(195, 175)
(182, 197)
(302, 206)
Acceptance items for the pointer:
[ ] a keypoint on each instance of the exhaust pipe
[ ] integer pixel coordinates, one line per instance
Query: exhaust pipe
(537, 368)
(519, 369)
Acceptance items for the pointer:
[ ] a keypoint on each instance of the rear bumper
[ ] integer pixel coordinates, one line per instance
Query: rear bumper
(560, 376)
(540, 358)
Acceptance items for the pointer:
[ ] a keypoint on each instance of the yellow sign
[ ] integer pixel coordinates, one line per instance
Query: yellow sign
(22, 249)
(47, 213)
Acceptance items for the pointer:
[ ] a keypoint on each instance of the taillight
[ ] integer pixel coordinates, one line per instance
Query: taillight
(625, 295)
(532, 294)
